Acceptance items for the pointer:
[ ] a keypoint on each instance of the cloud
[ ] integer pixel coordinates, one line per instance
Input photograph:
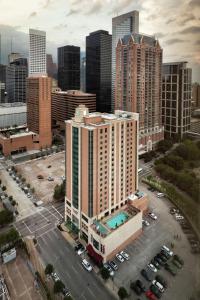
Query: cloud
(191, 30)
(72, 11)
(96, 7)
(33, 14)
(194, 3)
(171, 20)
(47, 3)
(159, 35)
(60, 26)
(186, 18)
(174, 41)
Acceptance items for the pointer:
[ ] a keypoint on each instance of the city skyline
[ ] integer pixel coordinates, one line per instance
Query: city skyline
(177, 33)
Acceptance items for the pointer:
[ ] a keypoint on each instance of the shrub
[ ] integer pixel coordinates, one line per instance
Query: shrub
(105, 273)
(49, 269)
(122, 293)
(4, 188)
(58, 287)
(6, 217)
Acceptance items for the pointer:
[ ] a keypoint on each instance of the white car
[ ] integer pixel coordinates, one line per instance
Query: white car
(124, 255)
(55, 277)
(87, 265)
(63, 177)
(152, 268)
(179, 217)
(29, 195)
(166, 249)
(81, 250)
(111, 272)
(50, 178)
(158, 285)
(145, 222)
(120, 257)
(153, 216)
(160, 195)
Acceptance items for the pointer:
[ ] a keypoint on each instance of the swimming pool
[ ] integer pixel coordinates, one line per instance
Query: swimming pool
(117, 220)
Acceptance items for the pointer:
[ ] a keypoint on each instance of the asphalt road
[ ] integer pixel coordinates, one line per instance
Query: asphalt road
(54, 249)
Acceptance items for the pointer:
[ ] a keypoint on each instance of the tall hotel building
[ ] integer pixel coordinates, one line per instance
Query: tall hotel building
(37, 52)
(138, 85)
(176, 99)
(122, 25)
(102, 201)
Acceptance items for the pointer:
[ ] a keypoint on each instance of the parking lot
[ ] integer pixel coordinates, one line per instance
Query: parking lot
(52, 166)
(162, 231)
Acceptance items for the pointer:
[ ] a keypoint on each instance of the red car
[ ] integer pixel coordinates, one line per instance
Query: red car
(150, 295)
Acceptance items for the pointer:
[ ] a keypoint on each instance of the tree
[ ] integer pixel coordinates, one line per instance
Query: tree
(9, 237)
(10, 198)
(4, 188)
(13, 202)
(58, 287)
(6, 217)
(164, 145)
(105, 273)
(122, 293)
(174, 161)
(49, 269)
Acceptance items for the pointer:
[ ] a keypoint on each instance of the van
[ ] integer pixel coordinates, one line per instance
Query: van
(160, 195)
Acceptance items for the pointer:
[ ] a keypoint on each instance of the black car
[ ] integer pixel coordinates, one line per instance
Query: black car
(155, 290)
(165, 254)
(161, 256)
(140, 284)
(162, 281)
(78, 246)
(113, 265)
(159, 260)
(65, 292)
(145, 275)
(136, 288)
(155, 263)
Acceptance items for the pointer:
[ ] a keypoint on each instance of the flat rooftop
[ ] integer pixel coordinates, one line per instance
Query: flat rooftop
(73, 93)
(12, 109)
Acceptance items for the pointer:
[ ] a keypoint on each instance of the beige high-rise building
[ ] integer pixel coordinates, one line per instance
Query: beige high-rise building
(102, 180)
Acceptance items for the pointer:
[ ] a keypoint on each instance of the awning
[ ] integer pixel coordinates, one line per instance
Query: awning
(97, 257)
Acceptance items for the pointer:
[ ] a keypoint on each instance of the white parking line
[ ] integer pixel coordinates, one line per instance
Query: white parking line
(40, 235)
(51, 213)
(27, 227)
(57, 211)
(43, 216)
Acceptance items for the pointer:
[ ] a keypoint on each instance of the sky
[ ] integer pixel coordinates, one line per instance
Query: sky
(176, 23)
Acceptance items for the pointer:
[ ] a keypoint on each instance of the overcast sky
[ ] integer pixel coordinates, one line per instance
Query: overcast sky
(175, 22)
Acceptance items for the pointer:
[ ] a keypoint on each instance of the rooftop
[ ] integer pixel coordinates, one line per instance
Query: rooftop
(74, 92)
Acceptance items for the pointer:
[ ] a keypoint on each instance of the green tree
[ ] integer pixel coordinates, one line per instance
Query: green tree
(49, 269)
(58, 287)
(13, 202)
(174, 161)
(9, 237)
(105, 273)
(10, 198)
(4, 188)
(6, 217)
(164, 145)
(122, 293)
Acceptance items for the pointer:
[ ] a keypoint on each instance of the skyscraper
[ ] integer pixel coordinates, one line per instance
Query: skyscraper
(121, 25)
(51, 67)
(196, 95)
(13, 56)
(16, 74)
(102, 178)
(138, 85)
(98, 68)
(83, 74)
(69, 68)
(39, 108)
(37, 52)
(176, 98)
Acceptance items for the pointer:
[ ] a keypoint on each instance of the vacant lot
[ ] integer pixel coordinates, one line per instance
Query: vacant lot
(20, 281)
(53, 166)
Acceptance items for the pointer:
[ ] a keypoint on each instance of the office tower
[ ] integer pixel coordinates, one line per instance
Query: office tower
(16, 74)
(176, 98)
(3, 73)
(196, 95)
(64, 104)
(39, 108)
(122, 25)
(98, 68)
(37, 52)
(69, 68)
(2, 92)
(51, 67)
(83, 74)
(138, 85)
(102, 179)
(13, 56)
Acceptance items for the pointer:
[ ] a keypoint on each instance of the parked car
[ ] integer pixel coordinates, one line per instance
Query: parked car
(179, 259)
(170, 269)
(54, 276)
(179, 217)
(145, 274)
(159, 260)
(162, 257)
(140, 284)
(158, 285)
(150, 295)
(166, 254)
(155, 263)
(167, 250)
(173, 210)
(152, 268)
(160, 195)
(81, 250)
(176, 264)
(124, 255)
(86, 265)
(160, 279)
(135, 288)
(120, 257)
(155, 290)
(110, 270)
(78, 246)
(145, 222)
(153, 216)
(29, 195)
(113, 265)
(50, 178)
(65, 292)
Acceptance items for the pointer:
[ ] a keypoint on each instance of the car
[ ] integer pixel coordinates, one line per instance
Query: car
(165, 254)
(159, 260)
(167, 250)
(140, 284)
(179, 259)
(65, 292)
(145, 222)
(173, 210)
(155, 263)
(86, 265)
(111, 272)
(145, 274)
(81, 250)
(40, 177)
(63, 177)
(160, 279)
(162, 257)
(179, 217)
(176, 264)
(150, 295)
(78, 246)
(113, 265)
(152, 268)
(155, 290)
(50, 178)
(124, 255)
(135, 288)
(158, 285)
(120, 257)
(160, 195)
(153, 216)
(29, 195)
(55, 276)
(170, 269)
